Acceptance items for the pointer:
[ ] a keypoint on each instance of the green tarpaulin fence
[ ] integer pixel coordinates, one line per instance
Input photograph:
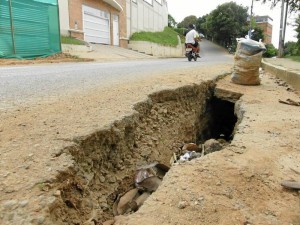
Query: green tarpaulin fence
(29, 28)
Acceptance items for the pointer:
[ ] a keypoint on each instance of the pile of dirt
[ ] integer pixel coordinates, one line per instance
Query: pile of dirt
(56, 58)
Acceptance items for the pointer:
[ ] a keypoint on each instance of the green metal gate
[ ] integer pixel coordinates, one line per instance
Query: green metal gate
(29, 28)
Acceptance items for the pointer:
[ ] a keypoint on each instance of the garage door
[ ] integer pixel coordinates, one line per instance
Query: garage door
(96, 25)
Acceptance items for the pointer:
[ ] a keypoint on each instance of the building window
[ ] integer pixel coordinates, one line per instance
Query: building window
(149, 2)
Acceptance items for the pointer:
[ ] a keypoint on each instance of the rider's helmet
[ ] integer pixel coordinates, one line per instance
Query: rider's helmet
(191, 26)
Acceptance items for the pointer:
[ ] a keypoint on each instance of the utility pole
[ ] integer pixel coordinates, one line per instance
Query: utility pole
(285, 22)
(251, 17)
(280, 44)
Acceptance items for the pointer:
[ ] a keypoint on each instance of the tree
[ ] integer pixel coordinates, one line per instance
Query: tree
(293, 48)
(270, 52)
(227, 22)
(201, 25)
(293, 4)
(290, 48)
(297, 25)
(257, 34)
(171, 21)
(186, 21)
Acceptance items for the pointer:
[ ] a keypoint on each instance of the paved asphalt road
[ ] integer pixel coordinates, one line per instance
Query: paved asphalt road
(21, 85)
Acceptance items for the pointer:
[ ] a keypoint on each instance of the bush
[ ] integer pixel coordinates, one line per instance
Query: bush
(180, 31)
(291, 49)
(271, 51)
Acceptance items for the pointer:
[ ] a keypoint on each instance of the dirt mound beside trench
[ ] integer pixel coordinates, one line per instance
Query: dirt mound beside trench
(56, 58)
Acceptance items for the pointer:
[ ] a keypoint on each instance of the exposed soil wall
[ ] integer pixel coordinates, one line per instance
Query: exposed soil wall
(107, 159)
(243, 183)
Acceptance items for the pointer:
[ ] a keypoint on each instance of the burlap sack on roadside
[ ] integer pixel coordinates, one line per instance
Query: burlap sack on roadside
(247, 61)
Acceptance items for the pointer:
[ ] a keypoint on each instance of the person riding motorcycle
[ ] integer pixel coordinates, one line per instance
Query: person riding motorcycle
(192, 39)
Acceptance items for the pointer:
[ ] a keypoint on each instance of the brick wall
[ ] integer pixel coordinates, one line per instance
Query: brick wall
(267, 30)
(123, 24)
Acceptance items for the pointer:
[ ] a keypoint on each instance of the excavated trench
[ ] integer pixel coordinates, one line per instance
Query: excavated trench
(105, 162)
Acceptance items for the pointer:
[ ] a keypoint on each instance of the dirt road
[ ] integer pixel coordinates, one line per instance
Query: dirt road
(63, 162)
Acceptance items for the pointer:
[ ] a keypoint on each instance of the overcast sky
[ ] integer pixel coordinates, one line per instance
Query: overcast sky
(180, 9)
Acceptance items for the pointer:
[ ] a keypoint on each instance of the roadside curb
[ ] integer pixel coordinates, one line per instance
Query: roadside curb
(290, 76)
(76, 48)
(156, 50)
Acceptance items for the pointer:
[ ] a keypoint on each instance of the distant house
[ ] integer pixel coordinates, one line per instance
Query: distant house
(29, 29)
(111, 22)
(265, 23)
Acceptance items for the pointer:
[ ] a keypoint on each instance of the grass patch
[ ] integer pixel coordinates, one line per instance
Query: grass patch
(294, 58)
(167, 37)
(71, 41)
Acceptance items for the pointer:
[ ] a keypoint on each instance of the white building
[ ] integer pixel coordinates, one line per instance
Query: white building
(146, 15)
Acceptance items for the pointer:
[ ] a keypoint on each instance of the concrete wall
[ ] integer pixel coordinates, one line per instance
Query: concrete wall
(75, 48)
(156, 49)
(289, 76)
(142, 16)
(64, 17)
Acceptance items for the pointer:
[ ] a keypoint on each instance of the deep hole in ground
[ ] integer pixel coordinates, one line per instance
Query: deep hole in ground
(105, 161)
(221, 122)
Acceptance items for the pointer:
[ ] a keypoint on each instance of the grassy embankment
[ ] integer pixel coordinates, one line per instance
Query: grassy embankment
(166, 37)
(71, 41)
(294, 58)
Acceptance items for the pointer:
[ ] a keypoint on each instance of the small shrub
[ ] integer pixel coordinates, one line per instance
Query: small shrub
(271, 51)
(180, 31)
(291, 49)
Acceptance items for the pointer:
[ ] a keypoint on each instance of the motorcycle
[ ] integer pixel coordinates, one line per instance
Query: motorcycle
(230, 49)
(190, 54)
